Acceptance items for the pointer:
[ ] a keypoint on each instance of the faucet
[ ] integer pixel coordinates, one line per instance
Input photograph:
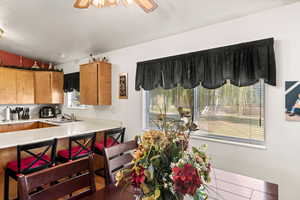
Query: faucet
(70, 116)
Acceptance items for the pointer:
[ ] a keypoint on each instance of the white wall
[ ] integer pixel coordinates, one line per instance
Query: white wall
(280, 163)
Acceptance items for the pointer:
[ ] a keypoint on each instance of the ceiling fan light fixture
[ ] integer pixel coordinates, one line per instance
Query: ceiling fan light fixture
(127, 2)
(147, 5)
(96, 3)
(82, 4)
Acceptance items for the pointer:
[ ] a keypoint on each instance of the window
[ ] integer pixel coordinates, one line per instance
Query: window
(72, 100)
(227, 113)
(156, 99)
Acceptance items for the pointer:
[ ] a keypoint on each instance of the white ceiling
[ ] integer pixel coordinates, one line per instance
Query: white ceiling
(53, 30)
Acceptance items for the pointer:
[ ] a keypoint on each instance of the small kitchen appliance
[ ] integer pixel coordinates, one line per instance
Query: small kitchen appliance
(47, 112)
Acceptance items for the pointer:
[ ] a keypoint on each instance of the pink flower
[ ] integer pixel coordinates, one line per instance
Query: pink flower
(138, 177)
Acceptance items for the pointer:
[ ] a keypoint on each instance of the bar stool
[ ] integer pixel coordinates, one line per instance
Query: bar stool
(111, 138)
(79, 147)
(27, 165)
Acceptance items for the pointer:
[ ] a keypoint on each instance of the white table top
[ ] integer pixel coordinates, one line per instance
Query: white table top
(12, 139)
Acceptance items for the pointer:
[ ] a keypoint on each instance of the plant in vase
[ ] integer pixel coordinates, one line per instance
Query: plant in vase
(163, 167)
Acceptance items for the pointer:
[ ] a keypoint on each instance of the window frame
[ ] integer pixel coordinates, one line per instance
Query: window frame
(200, 134)
(80, 107)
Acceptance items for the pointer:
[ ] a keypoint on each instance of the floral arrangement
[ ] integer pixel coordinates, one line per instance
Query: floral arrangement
(164, 168)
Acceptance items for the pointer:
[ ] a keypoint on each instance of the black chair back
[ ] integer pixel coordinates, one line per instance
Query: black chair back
(86, 143)
(116, 134)
(50, 147)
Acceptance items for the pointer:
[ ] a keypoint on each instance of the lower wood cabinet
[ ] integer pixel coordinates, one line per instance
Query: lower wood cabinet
(24, 126)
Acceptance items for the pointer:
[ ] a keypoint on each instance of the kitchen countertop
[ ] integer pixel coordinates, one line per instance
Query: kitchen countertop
(12, 139)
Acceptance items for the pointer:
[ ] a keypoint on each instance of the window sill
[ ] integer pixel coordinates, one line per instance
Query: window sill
(76, 108)
(198, 136)
(223, 141)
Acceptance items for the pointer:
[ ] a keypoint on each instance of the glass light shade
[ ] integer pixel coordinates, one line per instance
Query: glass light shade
(147, 5)
(82, 3)
(127, 2)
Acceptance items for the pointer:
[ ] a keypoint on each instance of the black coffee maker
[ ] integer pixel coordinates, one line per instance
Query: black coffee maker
(47, 112)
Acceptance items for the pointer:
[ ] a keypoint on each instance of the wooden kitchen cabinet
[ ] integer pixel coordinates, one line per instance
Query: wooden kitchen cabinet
(25, 87)
(18, 127)
(45, 125)
(104, 83)
(57, 87)
(89, 84)
(43, 93)
(24, 126)
(95, 84)
(18, 86)
(8, 86)
(49, 87)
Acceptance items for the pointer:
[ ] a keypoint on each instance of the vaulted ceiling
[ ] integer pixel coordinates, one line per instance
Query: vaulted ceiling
(53, 30)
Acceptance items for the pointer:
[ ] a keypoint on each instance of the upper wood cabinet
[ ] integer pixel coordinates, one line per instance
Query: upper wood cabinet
(19, 86)
(104, 83)
(25, 87)
(95, 83)
(8, 86)
(49, 87)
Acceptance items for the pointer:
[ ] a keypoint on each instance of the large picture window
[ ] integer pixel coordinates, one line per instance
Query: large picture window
(227, 113)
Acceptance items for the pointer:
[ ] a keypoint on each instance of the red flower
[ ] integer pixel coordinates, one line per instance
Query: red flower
(138, 176)
(186, 180)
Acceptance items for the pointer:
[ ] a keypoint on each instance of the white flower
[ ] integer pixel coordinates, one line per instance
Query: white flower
(172, 165)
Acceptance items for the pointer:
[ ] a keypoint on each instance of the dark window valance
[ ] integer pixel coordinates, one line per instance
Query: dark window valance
(71, 82)
(243, 64)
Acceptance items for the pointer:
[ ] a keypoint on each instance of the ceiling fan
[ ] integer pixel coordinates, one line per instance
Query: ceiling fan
(146, 5)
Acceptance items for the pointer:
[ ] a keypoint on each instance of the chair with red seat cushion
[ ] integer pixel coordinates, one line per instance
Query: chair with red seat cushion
(26, 162)
(109, 143)
(111, 138)
(79, 147)
(27, 165)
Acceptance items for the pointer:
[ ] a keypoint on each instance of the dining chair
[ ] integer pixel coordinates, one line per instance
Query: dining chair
(32, 163)
(82, 181)
(79, 146)
(111, 138)
(119, 157)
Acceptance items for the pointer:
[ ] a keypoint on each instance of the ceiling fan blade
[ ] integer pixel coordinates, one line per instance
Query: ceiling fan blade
(147, 5)
(82, 4)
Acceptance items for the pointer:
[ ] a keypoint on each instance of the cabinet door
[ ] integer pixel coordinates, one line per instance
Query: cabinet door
(25, 87)
(89, 84)
(8, 86)
(4, 128)
(27, 126)
(43, 93)
(104, 83)
(57, 88)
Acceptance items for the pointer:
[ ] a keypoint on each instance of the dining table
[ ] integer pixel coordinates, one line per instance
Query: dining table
(223, 186)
